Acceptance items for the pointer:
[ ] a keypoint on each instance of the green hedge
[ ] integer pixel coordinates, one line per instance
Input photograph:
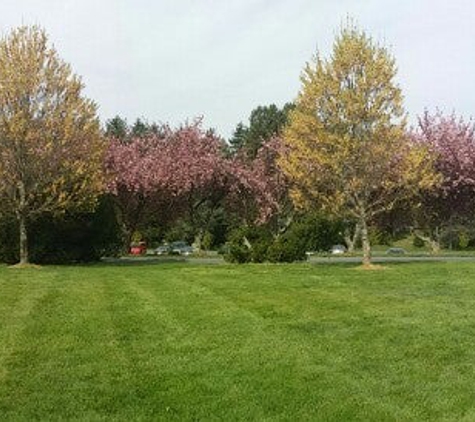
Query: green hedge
(258, 244)
(78, 237)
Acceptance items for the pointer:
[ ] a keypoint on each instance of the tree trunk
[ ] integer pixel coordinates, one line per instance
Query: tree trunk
(24, 258)
(435, 247)
(246, 242)
(198, 241)
(351, 240)
(435, 241)
(126, 234)
(365, 242)
(21, 216)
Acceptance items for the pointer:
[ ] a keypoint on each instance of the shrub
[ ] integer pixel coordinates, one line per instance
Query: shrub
(463, 240)
(78, 237)
(207, 241)
(181, 230)
(256, 244)
(9, 243)
(457, 237)
(308, 233)
(288, 248)
(316, 232)
(379, 237)
(248, 244)
(418, 242)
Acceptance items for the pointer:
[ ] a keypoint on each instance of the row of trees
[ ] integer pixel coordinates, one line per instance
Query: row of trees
(341, 153)
(169, 175)
(347, 148)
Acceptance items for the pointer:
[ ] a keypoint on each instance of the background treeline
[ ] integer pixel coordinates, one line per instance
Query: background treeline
(339, 165)
(214, 225)
(209, 219)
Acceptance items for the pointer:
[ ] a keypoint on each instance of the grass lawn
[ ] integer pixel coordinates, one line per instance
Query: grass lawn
(263, 342)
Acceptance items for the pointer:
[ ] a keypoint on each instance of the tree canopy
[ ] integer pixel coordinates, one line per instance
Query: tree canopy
(265, 122)
(346, 145)
(51, 148)
(451, 140)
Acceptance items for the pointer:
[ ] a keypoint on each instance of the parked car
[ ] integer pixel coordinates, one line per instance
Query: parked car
(181, 248)
(162, 250)
(396, 251)
(337, 250)
(139, 248)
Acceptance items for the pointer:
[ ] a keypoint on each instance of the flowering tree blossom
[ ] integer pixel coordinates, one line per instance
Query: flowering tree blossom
(451, 140)
(174, 172)
(161, 171)
(259, 188)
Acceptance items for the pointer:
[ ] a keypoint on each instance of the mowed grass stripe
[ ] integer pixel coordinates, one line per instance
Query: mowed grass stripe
(18, 301)
(58, 354)
(201, 324)
(290, 342)
(287, 319)
(192, 309)
(204, 333)
(358, 312)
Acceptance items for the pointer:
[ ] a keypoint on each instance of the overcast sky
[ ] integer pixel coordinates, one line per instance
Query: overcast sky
(169, 60)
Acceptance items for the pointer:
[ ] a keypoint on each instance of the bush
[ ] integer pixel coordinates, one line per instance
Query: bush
(78, 237)
(182, 230)
(463, 240)
(379, 237)
(9, 242)
(248, 244)
(256, 244)
(309, 233)
(457, 237)
(316, 232)
(418, 242)
(207, 241)
(288, 248)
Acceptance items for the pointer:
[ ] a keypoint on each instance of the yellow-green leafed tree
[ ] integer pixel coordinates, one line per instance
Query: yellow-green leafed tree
(51, 148)
(345, 147)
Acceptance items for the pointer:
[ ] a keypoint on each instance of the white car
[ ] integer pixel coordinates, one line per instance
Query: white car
(162, 250)
(338, 250)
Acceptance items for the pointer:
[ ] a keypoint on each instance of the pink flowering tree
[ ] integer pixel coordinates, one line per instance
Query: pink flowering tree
(135, 178)
(185, 174)
(451, 140)
(197, 176)
(166, 174)
(259, 188)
